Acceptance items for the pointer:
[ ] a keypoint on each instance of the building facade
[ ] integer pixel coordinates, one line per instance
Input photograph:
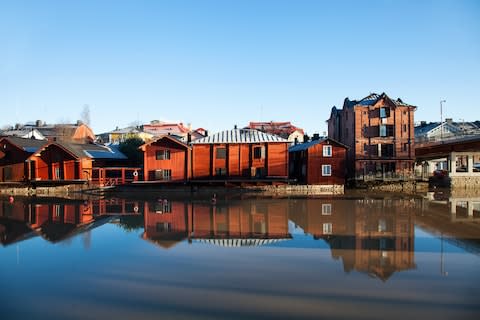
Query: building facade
(166, 159)
(320, 161)
(240, 153)
(379, 133)
(14, 152)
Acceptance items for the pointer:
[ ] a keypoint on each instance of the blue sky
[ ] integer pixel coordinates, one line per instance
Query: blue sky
(218, 63)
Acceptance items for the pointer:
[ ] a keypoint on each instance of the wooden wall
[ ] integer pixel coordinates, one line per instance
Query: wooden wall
(178, 162)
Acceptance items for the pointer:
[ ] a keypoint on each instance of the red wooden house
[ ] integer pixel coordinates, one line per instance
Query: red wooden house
(14, 152)
(320, 161)
(166, 159)
(60, 161)
(240, 153)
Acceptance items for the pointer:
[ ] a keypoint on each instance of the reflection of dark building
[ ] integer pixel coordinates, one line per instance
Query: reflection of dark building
(236, 224)
(372, 236)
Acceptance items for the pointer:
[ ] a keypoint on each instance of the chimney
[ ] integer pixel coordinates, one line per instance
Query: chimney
(423, 123)
(295, 142)
(235, 127)
(316, 136)
(189, 137)
(17, 126)
(449, 120)
(206, 133)
(305, 138)
(79, 122)
(39, 123)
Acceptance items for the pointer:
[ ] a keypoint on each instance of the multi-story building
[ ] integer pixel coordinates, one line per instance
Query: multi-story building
(379, 132)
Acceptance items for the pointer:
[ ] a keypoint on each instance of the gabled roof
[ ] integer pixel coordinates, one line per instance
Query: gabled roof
(89, 150)
(372, 99)
(283, 129)
(172, 138)
(28, 145)
(23, 133)
(239, 136)
(306, 145)
(435, 126)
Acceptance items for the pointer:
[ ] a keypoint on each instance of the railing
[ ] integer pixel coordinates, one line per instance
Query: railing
(385, 176)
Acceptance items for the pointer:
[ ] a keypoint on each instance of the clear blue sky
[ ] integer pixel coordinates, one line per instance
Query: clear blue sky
(219, 63)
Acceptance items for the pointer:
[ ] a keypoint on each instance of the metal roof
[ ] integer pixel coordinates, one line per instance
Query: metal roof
(93, 151)
(306, 145)
(240, 242)
(239, 136)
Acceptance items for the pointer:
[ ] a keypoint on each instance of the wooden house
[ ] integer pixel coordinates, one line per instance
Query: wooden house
(320, 161)
(60, 161)
(240, 153)
(166, 159)
(14, 152)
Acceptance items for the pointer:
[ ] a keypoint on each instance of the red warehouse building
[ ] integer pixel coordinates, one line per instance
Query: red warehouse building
(13, 155)
(166, 159)
(61, 161)
(320, 161)
(240, 153)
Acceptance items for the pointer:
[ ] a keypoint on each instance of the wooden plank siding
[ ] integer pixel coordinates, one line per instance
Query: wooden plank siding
(240, 160)
(178, 162)
(307, 161)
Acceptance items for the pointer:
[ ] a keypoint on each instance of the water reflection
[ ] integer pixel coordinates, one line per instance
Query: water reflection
(239, 258)
(373, 235)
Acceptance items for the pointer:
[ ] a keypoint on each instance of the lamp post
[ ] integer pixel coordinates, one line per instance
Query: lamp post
(441, 119)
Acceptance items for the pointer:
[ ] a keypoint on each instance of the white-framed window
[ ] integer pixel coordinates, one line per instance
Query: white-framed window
(327, 228)
(326, 170)
(162, 154)
(327, 151)
(326, 209)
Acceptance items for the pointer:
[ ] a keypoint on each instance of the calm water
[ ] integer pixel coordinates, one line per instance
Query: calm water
(362, 257)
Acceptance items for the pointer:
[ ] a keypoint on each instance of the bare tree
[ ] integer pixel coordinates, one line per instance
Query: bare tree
(85, 115)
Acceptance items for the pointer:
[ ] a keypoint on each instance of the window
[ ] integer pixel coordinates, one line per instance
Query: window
(327, 151)
(162, 206)
(163, 174)
(387, 150)
(259, 152)
(220, 171)
(326, 209)
(404, 128)
(221, 153)
(383, 130)
(162, 155)
(405, 146)
(384, 112)
(327, 228)
(164, 227)
(326, 170)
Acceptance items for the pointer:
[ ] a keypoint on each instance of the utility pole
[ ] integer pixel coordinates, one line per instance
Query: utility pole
(441, 119)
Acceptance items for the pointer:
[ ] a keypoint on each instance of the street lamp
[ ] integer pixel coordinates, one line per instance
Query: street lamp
(441, 118)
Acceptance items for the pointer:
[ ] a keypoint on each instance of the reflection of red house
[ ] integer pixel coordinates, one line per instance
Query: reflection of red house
(320, 161)
(13, 153)
(245, 223)
(239, 153)
(167, 159)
